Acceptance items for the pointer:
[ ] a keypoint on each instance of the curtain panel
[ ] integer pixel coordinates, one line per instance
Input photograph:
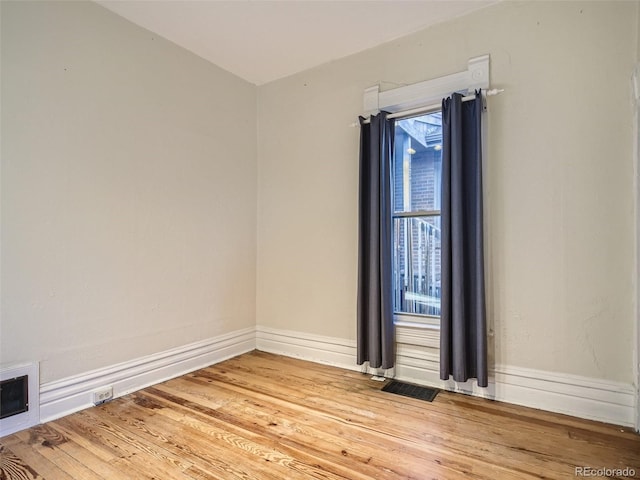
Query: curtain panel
(375, 337)
(463, 336)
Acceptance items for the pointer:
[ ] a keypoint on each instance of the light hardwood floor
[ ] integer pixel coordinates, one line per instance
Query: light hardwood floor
(262, 416)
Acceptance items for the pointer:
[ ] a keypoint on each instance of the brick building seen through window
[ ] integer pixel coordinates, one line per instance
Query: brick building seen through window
(416, 172)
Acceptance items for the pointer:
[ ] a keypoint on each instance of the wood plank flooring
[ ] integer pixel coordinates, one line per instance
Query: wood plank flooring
(262, 416)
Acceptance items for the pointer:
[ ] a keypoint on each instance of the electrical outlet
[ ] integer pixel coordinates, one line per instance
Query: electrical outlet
(103, 395)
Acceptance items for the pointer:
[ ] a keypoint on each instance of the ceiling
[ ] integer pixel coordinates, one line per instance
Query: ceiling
(261, 40)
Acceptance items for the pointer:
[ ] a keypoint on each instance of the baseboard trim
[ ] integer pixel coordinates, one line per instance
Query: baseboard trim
(583, 397)
(333, 351)
(591, 398)
(595, 399)
(72, 394)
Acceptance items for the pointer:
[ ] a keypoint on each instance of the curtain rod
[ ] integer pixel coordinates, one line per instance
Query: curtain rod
(431, 108)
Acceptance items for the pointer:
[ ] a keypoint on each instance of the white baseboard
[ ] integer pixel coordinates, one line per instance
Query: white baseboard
(583, 397)
(315, 348)
(72, 394)
(594, 399)
(591, 398)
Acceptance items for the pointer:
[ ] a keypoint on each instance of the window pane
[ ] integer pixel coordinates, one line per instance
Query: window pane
(417, 163)
(416, 279)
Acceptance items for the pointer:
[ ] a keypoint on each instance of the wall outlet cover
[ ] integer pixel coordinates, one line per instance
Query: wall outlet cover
(102, 395)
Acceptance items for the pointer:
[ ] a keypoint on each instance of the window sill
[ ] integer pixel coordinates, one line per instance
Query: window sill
(408, 320)
(420, 334)
(416, 325)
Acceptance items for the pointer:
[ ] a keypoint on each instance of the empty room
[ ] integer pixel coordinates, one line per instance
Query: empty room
(319, 239)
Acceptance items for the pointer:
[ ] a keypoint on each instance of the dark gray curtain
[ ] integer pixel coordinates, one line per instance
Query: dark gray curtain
(463, 336)
(376, 342)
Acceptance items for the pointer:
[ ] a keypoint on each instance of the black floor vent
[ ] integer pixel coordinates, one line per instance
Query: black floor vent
(413, 391)
(14, 396)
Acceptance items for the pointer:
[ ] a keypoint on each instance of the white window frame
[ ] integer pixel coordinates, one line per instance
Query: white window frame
(419, 95)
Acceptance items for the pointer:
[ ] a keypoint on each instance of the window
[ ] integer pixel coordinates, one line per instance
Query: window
(417, 183)
(416, 176)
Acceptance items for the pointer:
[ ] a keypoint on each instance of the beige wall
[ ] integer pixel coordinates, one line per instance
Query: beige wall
(559, 182)
(129, 186)
(128, 191)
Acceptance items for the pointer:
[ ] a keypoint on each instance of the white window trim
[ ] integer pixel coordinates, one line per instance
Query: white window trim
(416, 334)
(430, 91)
(416, 320)
(417, 95)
